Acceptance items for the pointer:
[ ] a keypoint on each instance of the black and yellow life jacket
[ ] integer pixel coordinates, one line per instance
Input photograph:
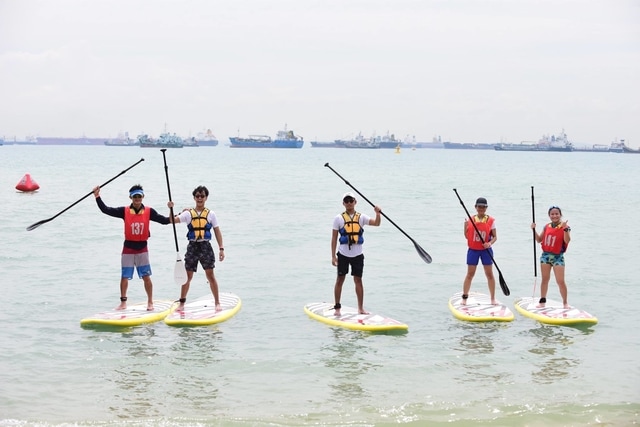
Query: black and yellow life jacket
(351, 232)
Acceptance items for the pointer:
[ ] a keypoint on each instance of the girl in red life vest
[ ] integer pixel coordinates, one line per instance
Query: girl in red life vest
(480, 248)
(555, 238)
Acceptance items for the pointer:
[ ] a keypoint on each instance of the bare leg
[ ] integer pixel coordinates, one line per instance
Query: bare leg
(558, 272)
(360, 294)
(466, 286)
(491, 282)
(124, 285)
(185, 290)
(545, 272)
(148, 287)
(337, 293)
(213, 284)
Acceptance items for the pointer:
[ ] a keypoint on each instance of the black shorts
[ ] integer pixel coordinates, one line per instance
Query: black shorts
(199, 251)
(356, 263)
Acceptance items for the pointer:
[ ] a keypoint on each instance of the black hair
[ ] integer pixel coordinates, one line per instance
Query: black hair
(200, 189)
(555, 207)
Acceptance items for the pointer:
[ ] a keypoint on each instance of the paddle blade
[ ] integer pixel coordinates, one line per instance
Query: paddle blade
(179, 272)
(503, 285)
(423, 254)
(37, 224)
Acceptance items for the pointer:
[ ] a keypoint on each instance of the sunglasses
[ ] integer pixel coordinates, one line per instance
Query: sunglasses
(199, 196)
(137, 196)
(349, 200)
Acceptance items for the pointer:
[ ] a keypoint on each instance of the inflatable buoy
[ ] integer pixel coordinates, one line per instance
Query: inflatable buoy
(27, 184)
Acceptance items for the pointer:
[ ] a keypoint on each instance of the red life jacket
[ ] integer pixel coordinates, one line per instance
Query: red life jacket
(136, 225)
(553, 239)
(484, 227)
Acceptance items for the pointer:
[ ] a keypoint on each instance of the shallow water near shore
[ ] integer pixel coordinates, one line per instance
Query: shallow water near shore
(271, 365)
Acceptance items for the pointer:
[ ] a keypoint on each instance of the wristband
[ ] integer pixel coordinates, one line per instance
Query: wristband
(568, 229)
(222, 249)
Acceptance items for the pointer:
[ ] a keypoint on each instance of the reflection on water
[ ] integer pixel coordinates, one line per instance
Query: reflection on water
(553, 362)
(347, 359)
(475, 344)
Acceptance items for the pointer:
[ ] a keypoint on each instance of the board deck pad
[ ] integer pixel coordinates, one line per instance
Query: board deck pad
(479, 308)
(350, 318)
(202, 311)
(553, 313)
(134, 315)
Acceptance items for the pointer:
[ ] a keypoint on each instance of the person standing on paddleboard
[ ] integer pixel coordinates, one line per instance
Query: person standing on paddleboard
(135, 252)
(555, 238)
(349, 226)
(201, 222)
(480, 248)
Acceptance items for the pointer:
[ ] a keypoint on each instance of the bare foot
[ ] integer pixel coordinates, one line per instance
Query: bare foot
(567, 306)
(494, 302)
(362, 311)
(337, 313)
(540, 305)
(463, 301)
(150, 306)
(218, 308)
(180, 307)
(122, 306)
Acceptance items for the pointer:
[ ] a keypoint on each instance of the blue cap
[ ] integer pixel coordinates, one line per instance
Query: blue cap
(136, 192)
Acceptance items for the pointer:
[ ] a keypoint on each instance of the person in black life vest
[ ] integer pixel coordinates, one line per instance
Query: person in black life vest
(135, 253)
(480, 248)
(555, 238)
(348, 229)
(202, 224)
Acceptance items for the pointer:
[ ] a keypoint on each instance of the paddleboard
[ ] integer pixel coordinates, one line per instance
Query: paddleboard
(553, 313)
(133, 315)
(479, 308)
(350, 319)
(202, 311)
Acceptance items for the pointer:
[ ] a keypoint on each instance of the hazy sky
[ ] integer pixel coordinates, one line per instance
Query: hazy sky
(467, 70)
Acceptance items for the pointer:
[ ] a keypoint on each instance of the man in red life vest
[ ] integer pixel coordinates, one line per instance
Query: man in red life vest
(135, 253)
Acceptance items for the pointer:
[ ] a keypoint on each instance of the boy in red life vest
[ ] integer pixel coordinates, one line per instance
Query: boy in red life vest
(349, 225)
(135, 252)
(202, 225)
(478, 250)
(555, 238)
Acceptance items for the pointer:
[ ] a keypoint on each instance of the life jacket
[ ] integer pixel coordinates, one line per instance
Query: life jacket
(351, 232)
(199, 227)
(136, 224)
(484, 227)
(553, 239)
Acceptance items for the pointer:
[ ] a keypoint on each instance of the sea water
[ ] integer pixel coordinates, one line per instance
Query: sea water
(271, 365)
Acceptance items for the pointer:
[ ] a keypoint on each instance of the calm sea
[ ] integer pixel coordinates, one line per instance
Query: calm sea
(271, 365)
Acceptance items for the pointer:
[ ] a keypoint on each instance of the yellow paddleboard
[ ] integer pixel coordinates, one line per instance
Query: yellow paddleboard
(553, 313)
(479, 309)
(133, 315)
(202, 311)
(350, 319)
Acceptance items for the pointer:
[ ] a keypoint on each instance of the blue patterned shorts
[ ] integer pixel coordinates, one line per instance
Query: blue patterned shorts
(552, 259)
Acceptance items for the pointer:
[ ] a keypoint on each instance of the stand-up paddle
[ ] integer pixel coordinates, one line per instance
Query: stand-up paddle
(423, 254)
(535, 260)
(503, 284)
(44, 221)
(179, 272)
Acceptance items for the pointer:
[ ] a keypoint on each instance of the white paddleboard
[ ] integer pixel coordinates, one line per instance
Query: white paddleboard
(133, 315)
(350, 318)
(553, 313)
(202, 311)
(479, 308)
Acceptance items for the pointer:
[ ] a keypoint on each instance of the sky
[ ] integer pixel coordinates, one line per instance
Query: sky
(462, 70)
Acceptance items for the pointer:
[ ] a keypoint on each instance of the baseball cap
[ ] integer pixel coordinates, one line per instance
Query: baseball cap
(136, 192)
(481, 202)
(349, 194)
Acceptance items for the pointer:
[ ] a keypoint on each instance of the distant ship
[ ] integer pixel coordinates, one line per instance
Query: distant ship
(50, 140)
(326, 144)
(207, 139)
(360, 141)
(284, 139)
(29, 140)
(122, 140)
(546, 143)
(468, 145)
(165, 140)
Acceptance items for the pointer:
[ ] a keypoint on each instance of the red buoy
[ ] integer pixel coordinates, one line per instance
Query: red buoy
(27, 184)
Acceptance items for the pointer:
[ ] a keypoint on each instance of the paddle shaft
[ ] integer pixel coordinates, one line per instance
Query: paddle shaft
(533, 215)
(423, 254)
(503, 284)
(166, 174)
(39, 223)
